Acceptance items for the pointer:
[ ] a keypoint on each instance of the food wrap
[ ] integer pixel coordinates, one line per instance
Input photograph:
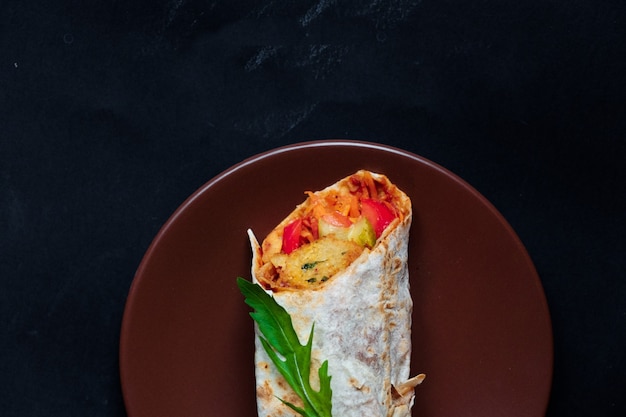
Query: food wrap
(362, 318)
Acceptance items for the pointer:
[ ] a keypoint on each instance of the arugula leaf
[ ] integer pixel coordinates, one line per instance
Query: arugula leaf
(292, 359)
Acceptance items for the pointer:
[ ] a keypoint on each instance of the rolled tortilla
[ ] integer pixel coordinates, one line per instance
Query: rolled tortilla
(362, 315)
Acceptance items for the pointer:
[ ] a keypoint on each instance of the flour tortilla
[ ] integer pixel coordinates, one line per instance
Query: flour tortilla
(362, 319)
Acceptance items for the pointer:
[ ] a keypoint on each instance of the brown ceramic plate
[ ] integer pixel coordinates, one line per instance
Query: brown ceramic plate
(481, 327)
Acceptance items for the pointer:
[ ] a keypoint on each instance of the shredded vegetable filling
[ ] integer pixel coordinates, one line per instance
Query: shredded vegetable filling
(327, 233)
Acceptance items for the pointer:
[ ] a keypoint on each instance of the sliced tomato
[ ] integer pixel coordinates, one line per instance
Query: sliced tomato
(378, 214)
(335, 218)
(291, 236)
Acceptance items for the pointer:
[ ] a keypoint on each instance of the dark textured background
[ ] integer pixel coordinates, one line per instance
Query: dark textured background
(113, 112)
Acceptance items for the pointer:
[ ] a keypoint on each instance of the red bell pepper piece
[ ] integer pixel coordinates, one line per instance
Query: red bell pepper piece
(378, 214)
(291, 236)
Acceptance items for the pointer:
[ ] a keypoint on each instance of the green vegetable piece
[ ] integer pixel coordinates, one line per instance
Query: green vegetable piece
(294, 362)
(363, 233)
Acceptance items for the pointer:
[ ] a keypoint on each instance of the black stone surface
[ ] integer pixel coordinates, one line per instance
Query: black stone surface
(112, 113)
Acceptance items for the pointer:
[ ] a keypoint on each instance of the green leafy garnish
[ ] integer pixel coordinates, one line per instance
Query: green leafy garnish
(292, 359)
